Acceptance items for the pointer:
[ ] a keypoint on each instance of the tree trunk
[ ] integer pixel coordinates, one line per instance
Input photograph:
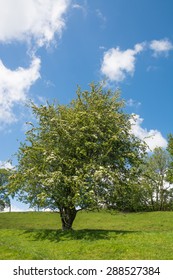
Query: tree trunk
(161, 192)
(68, 215)
(10, 207)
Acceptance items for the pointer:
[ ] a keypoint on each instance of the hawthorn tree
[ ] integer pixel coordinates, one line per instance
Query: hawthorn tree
(76, 155)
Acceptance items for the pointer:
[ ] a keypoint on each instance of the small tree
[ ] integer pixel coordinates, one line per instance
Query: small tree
(4, 198)
(170, 150)
(78, 154)
(155, 171)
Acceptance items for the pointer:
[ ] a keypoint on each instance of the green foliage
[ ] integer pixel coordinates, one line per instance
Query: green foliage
(4, 199)
(170, 150)
(152, 190)
(78, 155)
(158, 193)
(97, 236)
(2, 205)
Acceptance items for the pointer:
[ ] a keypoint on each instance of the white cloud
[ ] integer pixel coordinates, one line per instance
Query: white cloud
(101, 16)
(14, 86)
(133, 103)
(24, 20)
(152, 68)
(153, 138)
(34, 22)
(6, 165)
(77, 6)
(82, 6)
(161, 46)
(117, 64)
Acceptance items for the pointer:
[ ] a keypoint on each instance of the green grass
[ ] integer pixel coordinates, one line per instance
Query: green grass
(96, 236)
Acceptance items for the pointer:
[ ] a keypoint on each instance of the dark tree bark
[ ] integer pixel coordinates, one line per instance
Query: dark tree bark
(67, 215)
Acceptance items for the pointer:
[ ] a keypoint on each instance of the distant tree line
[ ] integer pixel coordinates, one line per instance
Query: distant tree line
(152, 191)
(84, 156)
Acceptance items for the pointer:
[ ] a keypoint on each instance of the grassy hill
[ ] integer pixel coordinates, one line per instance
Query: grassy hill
(96, 235)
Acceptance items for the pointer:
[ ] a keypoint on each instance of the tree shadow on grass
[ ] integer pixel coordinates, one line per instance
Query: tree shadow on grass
(84, 234)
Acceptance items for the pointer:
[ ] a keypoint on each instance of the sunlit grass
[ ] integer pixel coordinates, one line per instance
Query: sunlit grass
(96, 235)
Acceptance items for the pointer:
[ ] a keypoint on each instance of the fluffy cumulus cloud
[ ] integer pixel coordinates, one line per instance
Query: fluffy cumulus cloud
(161, 46)
(117, 64)
(24, 20)
(34, 22)
(153, 138)
(14, 86)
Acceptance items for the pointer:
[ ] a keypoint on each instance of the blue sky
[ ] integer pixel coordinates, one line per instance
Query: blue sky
(49, 47)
